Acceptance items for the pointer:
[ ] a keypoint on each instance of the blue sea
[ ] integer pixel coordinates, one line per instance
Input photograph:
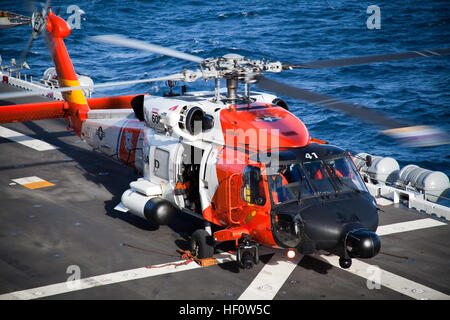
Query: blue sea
(413, 90)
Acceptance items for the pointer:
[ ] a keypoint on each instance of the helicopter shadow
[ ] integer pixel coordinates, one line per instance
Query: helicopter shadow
(96, 168)
(311, 263)
(104, 171)
(307, 262)
(233, 267)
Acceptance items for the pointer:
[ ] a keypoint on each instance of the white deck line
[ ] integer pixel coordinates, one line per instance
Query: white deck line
(273, 275)
(265, 285)
(387, 279)
(105, 279)
(27, 141)
(408, 226)
(271, 278)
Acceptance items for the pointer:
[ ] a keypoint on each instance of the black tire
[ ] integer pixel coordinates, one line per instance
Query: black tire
(201, 244)
(345, 263)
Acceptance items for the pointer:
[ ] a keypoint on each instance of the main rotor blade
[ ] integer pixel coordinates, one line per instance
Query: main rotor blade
(32, 5)
(327, 101)
(122, 41)
(343, 62)
(12, 95)
(24, 52)
(415, 136)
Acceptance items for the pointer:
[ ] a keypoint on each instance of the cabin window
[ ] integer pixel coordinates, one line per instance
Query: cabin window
(161, 163)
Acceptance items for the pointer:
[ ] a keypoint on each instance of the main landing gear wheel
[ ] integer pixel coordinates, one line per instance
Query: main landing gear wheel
(201, 244)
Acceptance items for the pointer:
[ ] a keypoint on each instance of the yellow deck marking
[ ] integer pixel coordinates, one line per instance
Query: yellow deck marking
(33, 182)
(37, 185)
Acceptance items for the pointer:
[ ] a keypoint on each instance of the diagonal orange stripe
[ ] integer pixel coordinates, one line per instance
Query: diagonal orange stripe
(38, 184)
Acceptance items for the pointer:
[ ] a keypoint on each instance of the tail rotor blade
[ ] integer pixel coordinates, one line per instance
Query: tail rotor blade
(25, 51)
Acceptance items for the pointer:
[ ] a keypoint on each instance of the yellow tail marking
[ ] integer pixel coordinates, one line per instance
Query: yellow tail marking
(76, 96)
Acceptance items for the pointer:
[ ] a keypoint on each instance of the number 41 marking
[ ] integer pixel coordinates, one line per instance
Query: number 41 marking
(309, 155)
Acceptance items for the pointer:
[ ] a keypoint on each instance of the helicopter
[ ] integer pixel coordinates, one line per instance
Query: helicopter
(240, 161)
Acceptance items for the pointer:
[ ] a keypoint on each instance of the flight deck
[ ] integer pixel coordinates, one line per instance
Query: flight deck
(58, 224)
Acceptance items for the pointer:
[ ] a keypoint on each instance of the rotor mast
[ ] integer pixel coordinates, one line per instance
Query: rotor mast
(232, 85)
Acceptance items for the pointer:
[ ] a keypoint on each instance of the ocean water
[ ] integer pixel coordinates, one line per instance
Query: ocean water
(413, 90)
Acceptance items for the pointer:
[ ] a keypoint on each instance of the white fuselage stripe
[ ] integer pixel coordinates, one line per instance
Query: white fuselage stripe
(27, 141)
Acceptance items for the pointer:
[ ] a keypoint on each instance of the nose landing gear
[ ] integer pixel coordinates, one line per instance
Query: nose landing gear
(345, 263)
(247, 253)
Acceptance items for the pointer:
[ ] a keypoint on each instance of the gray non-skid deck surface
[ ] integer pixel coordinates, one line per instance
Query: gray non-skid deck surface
(46, 230)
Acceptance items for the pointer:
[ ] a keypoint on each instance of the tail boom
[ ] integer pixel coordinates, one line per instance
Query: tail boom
(33, 111)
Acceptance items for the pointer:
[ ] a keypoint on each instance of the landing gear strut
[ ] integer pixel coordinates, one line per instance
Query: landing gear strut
(247, 253)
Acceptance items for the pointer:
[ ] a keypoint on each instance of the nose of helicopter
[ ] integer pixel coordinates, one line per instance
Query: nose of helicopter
(362, 244)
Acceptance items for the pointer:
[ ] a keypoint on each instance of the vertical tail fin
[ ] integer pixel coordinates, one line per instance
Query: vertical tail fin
(57, 30)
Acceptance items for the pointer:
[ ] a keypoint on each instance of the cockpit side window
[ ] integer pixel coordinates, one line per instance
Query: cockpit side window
(253, 186)
(279, 187)
(289, 182)
(304, 185)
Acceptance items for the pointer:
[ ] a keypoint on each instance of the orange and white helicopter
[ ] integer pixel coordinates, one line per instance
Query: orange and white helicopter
(238, 160)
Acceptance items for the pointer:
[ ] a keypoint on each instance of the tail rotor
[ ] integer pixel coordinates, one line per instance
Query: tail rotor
(38, 23)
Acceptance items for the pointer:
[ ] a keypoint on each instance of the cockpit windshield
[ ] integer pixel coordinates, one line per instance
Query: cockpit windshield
(319, 176)
(344, 173)
(295, 180)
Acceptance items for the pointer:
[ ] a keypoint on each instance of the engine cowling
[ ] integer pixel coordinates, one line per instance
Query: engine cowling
(191, 119)
(170, 115)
